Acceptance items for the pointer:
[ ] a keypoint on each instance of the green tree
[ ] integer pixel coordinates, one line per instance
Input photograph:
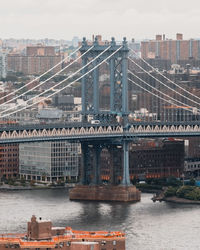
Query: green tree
(171, 191)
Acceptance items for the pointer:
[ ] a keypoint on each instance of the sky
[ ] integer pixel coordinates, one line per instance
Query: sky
(63, 19)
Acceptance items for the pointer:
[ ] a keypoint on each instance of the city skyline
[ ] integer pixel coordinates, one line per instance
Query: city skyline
(63, 19)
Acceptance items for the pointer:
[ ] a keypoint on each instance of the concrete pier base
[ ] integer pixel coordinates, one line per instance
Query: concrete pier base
(105, 193)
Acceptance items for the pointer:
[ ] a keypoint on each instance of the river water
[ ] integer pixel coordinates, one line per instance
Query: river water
(147, 225)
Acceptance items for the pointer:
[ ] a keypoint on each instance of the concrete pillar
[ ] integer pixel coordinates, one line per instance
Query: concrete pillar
(112, 167)
(84, 163)
(126, 176)
(97, 152)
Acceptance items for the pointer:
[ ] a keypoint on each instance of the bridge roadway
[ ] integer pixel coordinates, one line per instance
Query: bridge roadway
(104, 131)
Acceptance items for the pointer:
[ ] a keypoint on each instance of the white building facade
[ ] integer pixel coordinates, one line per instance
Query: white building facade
(49, 161)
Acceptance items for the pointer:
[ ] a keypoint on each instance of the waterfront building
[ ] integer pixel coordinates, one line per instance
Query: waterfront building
(49, 161)
(156, 159)
(192, 167)
(147, 159)
(41, 235)
(9, 161)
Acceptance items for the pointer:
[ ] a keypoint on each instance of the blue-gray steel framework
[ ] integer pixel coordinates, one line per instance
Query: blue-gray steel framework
(118, 103)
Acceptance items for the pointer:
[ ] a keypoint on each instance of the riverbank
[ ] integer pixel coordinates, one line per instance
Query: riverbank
(175, 199)
(181, 194)
(6, 187)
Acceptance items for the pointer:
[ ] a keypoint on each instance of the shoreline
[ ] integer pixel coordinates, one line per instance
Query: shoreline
(22, 188)
(175, 199)
(28, 188)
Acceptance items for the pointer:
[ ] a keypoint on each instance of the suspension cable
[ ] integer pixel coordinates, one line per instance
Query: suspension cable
(41, 83)
(158, 90)
(44, 82)
(188, 109)
(162, 82)
(168, 101)
(30, 105)
(165, 76)
(37, 78)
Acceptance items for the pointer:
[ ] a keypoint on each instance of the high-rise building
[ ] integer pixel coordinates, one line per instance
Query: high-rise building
(3, 64)
(37, 60)
(49, 161)
(9, 160)
(40, 50)
(168, 49)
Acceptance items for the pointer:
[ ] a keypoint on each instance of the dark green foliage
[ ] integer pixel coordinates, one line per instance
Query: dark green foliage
(182, 191)
(11, 182)
(186, 192)
(171, 191)
(193, 194)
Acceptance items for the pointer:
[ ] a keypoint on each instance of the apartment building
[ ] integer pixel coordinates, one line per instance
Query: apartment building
(168, 49)
(37, 60)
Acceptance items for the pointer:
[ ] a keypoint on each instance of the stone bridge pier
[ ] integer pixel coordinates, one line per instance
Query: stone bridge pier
(105, 173)
(100, 176)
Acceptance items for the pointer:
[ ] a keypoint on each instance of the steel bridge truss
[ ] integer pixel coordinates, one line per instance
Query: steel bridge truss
(92, 133)
(118, 78)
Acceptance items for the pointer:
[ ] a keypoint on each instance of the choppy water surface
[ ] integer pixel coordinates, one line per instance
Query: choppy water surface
(147, 225)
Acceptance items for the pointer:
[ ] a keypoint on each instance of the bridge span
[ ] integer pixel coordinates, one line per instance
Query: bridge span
(87, 132)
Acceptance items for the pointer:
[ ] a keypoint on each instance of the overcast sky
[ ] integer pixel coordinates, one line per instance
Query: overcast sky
(63, 19)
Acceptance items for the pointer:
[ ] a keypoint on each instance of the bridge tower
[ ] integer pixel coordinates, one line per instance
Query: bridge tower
(118, 79)
(118, 106)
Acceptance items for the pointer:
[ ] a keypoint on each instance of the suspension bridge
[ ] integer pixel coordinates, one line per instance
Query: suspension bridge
(158, 108)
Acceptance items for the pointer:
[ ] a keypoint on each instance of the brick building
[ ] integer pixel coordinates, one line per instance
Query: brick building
(173, 50)
(42, 235)
(40, 50)
(157, 159)
(37, 60)
(147, 159)
(9, 160)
